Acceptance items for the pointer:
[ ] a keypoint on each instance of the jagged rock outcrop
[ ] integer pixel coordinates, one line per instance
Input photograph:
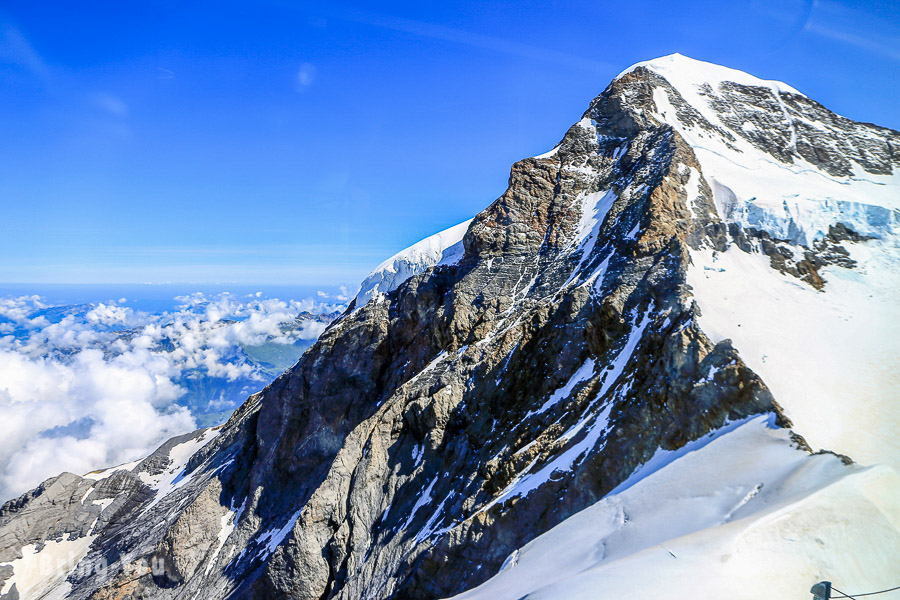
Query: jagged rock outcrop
(492, 394)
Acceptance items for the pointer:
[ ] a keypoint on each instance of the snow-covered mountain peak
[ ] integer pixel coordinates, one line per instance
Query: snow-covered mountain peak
(685, 73)
(650, 335)
(776, 161)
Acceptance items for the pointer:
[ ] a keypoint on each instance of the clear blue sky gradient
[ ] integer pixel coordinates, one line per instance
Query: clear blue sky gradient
(283, 142)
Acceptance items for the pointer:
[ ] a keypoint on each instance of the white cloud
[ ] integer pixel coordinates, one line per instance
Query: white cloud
(18, 309)
(865, 29)
(127, 407)
(110, 104)
(110, 314)
(345, 294)
(864, 40)
(91, 387)
(467, 38)
(16, 50)
(311, 330)
(306, 75)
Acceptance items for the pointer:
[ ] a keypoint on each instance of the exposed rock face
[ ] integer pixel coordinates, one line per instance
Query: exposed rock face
(437, 428)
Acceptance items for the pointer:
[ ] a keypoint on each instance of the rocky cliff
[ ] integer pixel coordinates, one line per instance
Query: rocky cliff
(551, 359)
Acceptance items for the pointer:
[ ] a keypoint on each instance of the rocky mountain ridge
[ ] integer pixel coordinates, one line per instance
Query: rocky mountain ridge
(555, 359)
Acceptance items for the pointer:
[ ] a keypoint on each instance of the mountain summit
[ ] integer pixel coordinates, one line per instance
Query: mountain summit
(647, 368)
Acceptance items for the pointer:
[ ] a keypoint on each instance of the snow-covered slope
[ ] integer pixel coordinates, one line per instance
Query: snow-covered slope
(831, 357)
(41, 571)
(444, 247)
(804, 281)
(739, 514)
(42, 566)
(647, 331)
(769, 184)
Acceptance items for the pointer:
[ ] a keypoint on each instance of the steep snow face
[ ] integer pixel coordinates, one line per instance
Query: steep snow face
(831, 358)
(740, 513)
(444, 247)
(743, 510)
(174, 477)
(754, 155)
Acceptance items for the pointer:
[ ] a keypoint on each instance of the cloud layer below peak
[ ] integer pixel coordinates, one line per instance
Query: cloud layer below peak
(84, 387)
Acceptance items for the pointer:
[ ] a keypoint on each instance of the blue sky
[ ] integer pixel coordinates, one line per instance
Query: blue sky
(302, 143)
